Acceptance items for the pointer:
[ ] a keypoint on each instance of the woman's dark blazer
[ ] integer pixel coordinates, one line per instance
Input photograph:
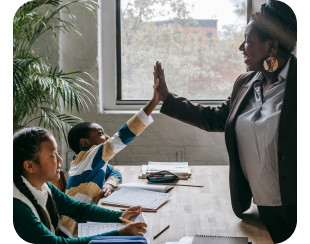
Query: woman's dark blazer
(223, 118)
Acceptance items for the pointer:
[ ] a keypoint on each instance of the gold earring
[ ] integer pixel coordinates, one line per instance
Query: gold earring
(270, 64)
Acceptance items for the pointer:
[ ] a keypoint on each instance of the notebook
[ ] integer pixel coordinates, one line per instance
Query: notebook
(96, 228)
(145, 186)
(128, 196)
(202, 239)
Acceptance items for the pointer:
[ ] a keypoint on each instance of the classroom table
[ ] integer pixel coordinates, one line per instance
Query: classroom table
(199, 210)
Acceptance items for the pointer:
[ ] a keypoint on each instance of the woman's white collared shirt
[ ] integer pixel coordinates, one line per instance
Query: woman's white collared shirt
(257, 140)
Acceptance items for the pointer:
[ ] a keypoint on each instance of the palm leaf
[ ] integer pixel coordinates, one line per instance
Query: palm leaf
(54, 120)
(40, 90)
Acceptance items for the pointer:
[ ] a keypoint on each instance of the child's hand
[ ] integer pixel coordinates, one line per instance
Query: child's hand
(133, 229)
(156, 97)
(106, 190)
(132, 211)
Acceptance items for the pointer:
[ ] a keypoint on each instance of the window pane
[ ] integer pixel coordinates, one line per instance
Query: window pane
(196, 41)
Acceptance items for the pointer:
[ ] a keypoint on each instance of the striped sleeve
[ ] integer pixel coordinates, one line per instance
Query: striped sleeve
(130, 130)
(113, 175)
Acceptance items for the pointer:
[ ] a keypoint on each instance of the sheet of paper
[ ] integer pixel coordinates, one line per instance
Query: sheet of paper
(174, 167)
(95, 228)
(133, 196)
(145, 186)
(186, 240)
(175, 164)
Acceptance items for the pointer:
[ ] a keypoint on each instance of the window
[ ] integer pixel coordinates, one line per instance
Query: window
(175, 33)
(196, 42)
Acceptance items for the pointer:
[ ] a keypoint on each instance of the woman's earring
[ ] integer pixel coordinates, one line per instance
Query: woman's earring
(270, 64)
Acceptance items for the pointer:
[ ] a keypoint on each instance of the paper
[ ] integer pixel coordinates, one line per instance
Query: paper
(145, 186)
(178, 168)
(186, 240)
(183, 240)
(96, 228)
(126, 196)
(219, 239)
(169, 166)
(175, 164)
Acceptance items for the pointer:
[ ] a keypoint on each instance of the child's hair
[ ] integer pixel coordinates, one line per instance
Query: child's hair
(26, 146)
(77, 132)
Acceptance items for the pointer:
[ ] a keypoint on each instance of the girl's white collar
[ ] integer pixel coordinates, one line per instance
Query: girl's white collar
(40, 195)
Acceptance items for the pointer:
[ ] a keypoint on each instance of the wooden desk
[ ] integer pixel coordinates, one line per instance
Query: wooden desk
(199, 210)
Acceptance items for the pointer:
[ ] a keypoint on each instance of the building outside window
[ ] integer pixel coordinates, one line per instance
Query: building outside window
(196, 41)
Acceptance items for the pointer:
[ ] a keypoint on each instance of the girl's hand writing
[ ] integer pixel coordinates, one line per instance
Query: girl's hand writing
(132, 211)
(133, 229)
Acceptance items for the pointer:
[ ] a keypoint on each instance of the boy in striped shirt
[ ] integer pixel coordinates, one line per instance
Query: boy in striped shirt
(90, 175)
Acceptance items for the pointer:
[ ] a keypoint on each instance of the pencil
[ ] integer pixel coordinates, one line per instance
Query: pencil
(161, 232)
(125, 220)
(144, 210)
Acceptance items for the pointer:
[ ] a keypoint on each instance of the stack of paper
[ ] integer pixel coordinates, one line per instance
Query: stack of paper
(181, 169)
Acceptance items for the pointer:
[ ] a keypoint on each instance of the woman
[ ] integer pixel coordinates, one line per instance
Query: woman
(259, 119)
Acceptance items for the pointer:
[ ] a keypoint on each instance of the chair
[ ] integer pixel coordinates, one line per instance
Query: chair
(61, 184)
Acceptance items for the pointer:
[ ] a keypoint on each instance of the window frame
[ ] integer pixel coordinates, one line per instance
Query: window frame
(110, 70)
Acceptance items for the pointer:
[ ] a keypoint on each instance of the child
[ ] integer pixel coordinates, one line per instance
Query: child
(90, 175)
(37, 203)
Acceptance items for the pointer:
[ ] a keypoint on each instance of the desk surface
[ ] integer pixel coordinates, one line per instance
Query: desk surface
(199, 210)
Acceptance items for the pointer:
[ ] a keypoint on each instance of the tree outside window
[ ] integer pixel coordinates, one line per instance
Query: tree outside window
(201, 59)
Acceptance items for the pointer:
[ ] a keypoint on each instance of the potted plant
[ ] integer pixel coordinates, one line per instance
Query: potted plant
(41, 92)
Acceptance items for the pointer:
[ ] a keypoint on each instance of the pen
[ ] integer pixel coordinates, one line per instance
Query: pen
(161, 232)
(125, 220)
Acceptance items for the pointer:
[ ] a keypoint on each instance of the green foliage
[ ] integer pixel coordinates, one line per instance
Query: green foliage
(40, 91)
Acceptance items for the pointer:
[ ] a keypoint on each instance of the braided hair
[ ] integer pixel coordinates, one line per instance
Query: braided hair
(277, 21)
(26, 145)
(77, 132)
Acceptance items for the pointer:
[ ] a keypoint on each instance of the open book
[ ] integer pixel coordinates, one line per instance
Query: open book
(133, 194)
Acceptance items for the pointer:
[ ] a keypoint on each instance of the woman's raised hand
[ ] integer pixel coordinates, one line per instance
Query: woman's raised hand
(160, 86)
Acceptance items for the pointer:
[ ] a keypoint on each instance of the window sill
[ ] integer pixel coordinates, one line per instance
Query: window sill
(125, 112)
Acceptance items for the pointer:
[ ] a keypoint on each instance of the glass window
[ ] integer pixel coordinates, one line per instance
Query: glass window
(196, 41)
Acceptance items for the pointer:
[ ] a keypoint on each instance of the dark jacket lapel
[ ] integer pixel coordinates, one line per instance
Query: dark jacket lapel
(289, 108)
(241, 98)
